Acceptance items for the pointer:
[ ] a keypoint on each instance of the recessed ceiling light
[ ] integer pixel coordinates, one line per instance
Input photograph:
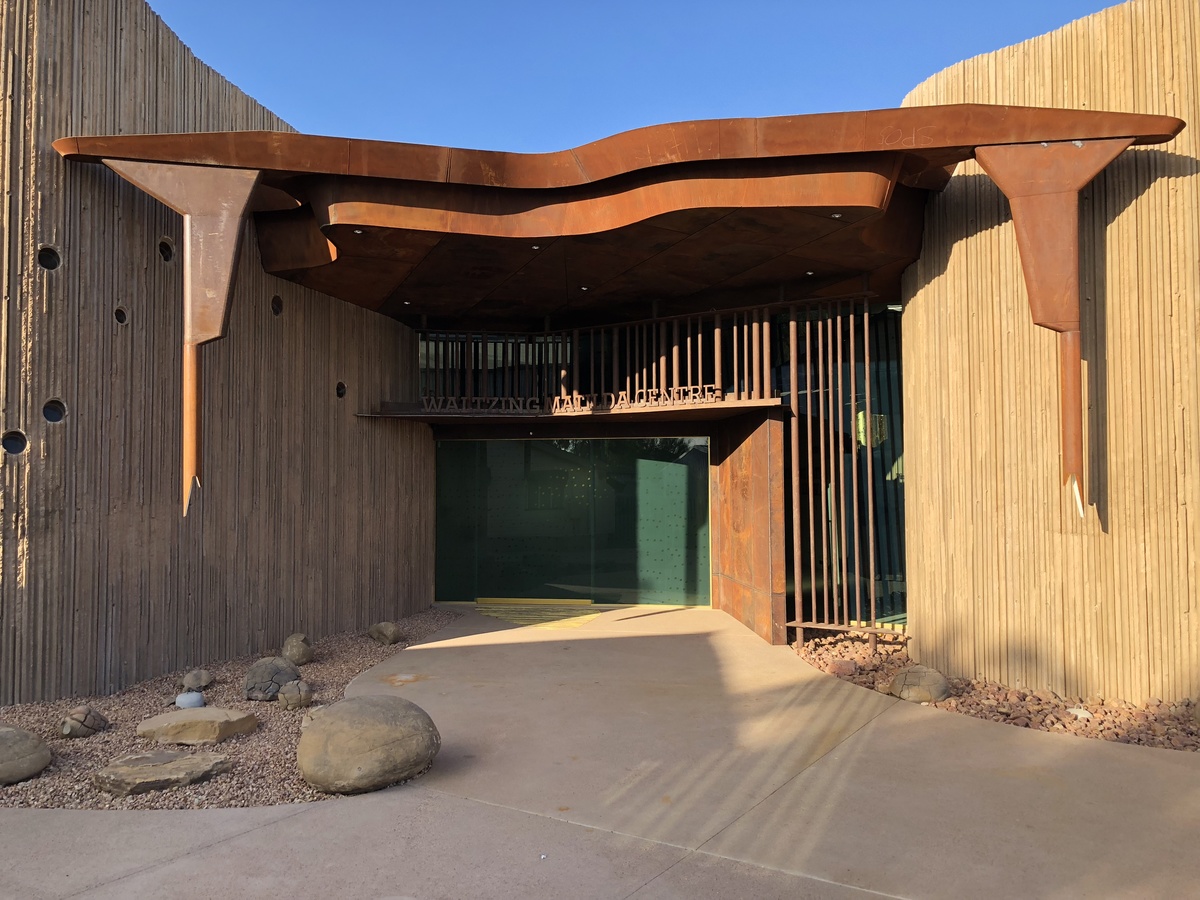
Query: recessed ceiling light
(407, 302)
(582, 288)
(836, 215)
(810, 273)
(537, 246)
(358, 231)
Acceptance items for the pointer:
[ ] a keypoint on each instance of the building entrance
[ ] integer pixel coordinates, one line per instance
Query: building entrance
(611, 521)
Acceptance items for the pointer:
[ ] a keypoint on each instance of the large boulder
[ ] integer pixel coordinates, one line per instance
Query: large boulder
(82, 721)
(192, 727)
(22, 754)
(297, 649)
(386, 633)
(920, 684)
(267, 676)
(366, 743)
(139, 773)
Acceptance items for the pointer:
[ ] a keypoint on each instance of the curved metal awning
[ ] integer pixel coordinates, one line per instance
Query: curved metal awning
(694, 215)
(672, 218)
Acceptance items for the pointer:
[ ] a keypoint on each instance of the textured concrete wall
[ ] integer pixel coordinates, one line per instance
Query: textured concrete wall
(310, 517)
(1005, 580)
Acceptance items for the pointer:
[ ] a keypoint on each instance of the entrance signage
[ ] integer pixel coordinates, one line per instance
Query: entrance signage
(693, 395)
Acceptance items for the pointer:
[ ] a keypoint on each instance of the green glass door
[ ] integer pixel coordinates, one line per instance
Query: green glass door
(613, 521)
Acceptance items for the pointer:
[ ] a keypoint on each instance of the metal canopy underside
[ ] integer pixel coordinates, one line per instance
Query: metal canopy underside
(688, 217)
(668, 220)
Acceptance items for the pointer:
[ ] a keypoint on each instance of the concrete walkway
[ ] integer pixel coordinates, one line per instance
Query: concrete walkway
(654, 753)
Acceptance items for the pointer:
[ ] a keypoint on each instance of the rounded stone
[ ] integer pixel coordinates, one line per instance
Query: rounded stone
(295, 695)
(366, 743)
(82, 721)
(386, 633)
(190, 700)
(297, 649)
(267, 676)
(196, 680)
(920, 684)
(22, 754)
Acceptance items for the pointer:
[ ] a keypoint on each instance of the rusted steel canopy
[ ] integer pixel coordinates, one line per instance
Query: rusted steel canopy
(696, 215)
(665, 220)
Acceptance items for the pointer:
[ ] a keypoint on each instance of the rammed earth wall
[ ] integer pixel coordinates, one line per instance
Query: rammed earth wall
(1005, 580)
(310, 518)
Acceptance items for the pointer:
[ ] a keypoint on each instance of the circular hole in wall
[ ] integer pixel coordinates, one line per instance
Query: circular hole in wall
(120, 315)
(277, 305)
(14, 442)
(54, 410)
(341, 389)
(48, 258)
(166, 249)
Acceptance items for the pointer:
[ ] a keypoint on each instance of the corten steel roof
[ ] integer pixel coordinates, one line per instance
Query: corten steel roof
(694, 216)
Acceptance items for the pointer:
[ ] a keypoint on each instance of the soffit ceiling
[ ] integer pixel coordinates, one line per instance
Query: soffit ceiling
(669, 219)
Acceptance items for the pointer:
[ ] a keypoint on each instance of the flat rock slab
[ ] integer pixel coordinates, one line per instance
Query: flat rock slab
(157, 770)
(207, 725)
(22, 754)
(366, 743)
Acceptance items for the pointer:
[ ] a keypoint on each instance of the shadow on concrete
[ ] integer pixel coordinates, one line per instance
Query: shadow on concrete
(703, 737)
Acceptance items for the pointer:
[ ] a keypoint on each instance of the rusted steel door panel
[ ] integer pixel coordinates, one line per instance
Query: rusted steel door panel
(748, 561)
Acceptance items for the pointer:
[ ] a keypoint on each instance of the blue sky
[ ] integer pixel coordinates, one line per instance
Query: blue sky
(533, 77)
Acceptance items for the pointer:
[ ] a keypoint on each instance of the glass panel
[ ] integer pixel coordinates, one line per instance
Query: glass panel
(614, 521)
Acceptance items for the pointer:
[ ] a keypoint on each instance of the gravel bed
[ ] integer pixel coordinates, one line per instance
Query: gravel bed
(1171, 726)
(264, 762)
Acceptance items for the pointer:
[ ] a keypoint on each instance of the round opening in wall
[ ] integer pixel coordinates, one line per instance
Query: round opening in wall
(14, 442)
(48, 258)
(54, 410)
(277, 305)
(341, 389)
(166, 249)
(120, 315)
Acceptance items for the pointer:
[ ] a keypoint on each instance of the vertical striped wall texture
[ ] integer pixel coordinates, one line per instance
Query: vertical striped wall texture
(310, 518)
(1005, 581)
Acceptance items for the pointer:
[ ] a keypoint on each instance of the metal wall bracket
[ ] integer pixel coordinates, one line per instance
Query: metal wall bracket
(213, 204)
(1042, 183)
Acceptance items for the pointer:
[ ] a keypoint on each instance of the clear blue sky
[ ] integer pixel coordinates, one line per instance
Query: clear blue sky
(516, 75)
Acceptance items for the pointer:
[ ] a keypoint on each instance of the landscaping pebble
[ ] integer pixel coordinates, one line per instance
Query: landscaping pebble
(1172, 726)
(264, 771)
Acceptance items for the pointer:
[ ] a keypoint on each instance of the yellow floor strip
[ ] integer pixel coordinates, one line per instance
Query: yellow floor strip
(531, 601)
(540, 615)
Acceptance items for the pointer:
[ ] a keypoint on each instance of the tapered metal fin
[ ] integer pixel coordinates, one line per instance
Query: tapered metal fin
(213, 203)
(1042, 183)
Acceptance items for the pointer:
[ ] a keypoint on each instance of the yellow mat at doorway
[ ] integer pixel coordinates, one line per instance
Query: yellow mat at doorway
(541, 614)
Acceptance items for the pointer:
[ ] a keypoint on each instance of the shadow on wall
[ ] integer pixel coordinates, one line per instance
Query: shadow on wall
(1057, 667)
(1135, 171)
